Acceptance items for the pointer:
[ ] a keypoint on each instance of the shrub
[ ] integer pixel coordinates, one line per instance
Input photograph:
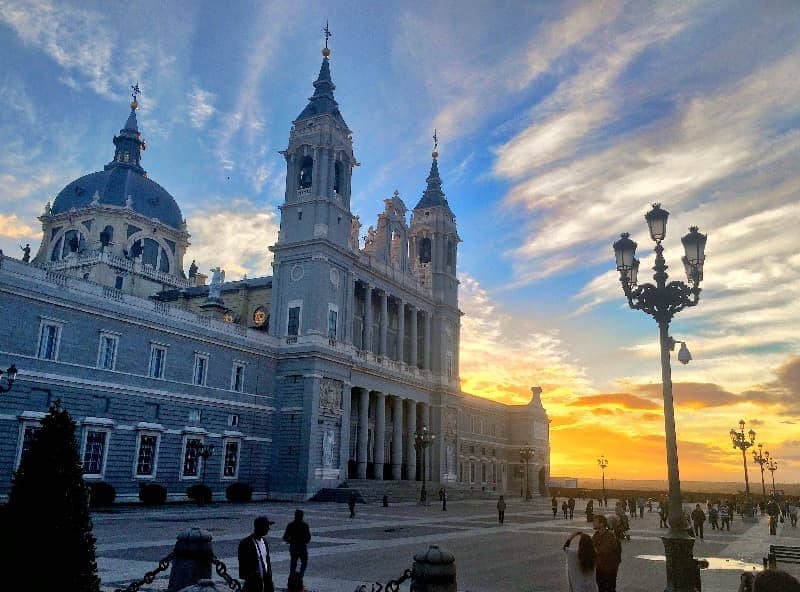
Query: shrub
(239, 492)
(49, 504)
(153, 494)
(101, 494)
(200, 493)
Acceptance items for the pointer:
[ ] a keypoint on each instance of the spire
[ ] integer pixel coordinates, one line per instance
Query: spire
(323, 101)
(433, 195)
(129, 144)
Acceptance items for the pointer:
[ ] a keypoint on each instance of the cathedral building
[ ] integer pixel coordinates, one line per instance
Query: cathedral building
(322, 373)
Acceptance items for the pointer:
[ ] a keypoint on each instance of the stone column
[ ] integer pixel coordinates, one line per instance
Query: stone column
(414, 337)
(363, 431)
(349, 307)
(411, 453)
(401, 329)
(397, 438)
(427, 346)
(367, 345)
(380, 434)
(344, 431)
(384, 322)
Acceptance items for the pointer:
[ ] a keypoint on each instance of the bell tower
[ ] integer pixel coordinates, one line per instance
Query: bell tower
(433, 250)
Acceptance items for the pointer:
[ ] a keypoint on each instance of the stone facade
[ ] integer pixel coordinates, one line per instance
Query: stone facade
(320, 373)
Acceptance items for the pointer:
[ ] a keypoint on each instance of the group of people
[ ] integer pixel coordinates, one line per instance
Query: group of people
(567, 507)
(593, 561)
(255, 566)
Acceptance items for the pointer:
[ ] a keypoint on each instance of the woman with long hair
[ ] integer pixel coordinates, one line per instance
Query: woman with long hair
(581, 560)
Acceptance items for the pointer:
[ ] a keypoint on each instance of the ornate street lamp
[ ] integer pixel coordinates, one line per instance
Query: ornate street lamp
(663, 301)
(602, 462)
(772, 466)
(743, 441)
(422, 439)
(11, 376)
(205, 451)
(525, 455)
(761, 458)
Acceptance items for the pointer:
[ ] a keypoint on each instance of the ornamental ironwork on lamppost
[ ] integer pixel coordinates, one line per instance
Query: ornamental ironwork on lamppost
(11, 376)
(663, 301)
(422, 439)
(602, 462)
(743, 441)
(772, 466)
(525, 455)
(761, 458)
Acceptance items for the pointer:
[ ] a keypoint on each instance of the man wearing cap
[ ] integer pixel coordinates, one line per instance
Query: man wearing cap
(254, 563)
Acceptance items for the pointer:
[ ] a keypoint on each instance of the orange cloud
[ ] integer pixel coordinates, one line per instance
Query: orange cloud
(626, 400)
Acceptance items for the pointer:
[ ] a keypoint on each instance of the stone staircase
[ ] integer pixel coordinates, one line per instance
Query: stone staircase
(372, 491)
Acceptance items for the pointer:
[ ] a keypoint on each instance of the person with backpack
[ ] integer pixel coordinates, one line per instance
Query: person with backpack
(609, 555)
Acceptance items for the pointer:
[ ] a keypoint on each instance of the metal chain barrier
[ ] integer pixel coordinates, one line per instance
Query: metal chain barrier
(222, 571)
(148, 577)
(391, 585)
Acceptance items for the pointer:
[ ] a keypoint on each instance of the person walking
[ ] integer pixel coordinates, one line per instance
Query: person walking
(725, 516)
(565, 509)
(791, 509)
(571, 506)
(632, 507)
(590, 510)
(297, 535)
(501, 509)
(662, 514)
(609, 555)
(581, 559)
(713, 516)
(554, 506)
(698, 518)
(640, 503)
(255, 567)
(443, 497)
(351, 503)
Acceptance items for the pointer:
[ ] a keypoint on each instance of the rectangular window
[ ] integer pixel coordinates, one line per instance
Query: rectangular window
(146, 457)
(230, 466)
(293, 326)
(333, 316)
(94, 452)
(118, 282)
(483, 473)
(237, 378)
(449, 364)
(107, 352)
(49, 337)
(29, 431)
(233, 420)
(191, 457)
(158, 354)
(200, 369)
(471, 472)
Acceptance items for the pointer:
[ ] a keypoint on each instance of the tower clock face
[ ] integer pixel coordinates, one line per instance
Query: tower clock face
(259, 317)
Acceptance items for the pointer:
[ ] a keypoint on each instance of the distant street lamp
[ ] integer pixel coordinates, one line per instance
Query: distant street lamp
(663, 301)
(602, 462)
(423, 439)
(205, 451)
(772, 466)
(743, 441)
(761, 458)
(11, 376)
(525, 455)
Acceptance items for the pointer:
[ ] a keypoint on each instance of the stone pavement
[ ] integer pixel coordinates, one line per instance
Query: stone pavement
(522, 555)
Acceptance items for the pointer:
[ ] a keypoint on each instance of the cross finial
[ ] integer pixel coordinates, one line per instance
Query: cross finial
(135, 93)
(435, 140)
(328, 33)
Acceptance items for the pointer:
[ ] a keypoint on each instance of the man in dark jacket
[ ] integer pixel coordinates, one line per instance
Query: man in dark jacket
(698, 519)
(297, 535)
(609, 555)
(255, 567)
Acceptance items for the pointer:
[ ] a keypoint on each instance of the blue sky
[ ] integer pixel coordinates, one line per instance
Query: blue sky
(559, 124)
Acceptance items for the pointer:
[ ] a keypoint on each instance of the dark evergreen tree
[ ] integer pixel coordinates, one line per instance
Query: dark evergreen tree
(48, 539)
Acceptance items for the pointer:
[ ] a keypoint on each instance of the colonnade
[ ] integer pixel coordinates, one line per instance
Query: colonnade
(407, 415)
(412, 357)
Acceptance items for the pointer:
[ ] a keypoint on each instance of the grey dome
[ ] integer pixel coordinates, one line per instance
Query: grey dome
(114, 185)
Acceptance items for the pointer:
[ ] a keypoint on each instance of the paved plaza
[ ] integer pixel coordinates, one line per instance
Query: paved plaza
(522, 555)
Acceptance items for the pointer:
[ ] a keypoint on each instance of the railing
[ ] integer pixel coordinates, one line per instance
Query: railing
(119, 263)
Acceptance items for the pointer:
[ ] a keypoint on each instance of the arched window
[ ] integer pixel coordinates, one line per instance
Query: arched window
(107, 236)
(71, 242)
(153, 254)
(425, 250)
(337, 177)
(306, 167)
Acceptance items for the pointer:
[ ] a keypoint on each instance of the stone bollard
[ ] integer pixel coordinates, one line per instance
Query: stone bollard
(191, 561)
(434, 571)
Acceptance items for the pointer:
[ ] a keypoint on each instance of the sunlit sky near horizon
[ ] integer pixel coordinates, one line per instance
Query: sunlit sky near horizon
(559, 124)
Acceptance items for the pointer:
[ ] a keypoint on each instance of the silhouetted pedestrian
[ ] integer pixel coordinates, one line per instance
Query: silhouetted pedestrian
(571, 506)
(554, 507)
(444, 499)
(351, 503)
(698, 518)
(609, 555)
(501, 509)
(297, 535)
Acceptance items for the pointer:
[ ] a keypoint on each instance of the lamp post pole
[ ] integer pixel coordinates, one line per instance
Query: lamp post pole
(663, 301)
(525, 455)
(744, 441)
(761, 458)
(422, 439)
(11, 376)
(602, 462)
(205, 451)
(772, 467)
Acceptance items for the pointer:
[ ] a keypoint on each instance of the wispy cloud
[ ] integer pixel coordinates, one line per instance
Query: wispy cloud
(201, 106)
